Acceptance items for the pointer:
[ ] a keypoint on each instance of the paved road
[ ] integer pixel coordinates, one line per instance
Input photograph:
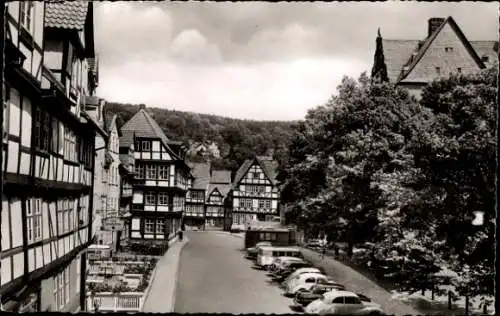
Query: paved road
(215, 277)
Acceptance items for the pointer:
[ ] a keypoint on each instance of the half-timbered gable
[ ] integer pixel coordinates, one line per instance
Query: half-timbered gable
(160, 181)
(220, 185)
(48, 166)
(194, 212)
(413, 64)
(255, 191)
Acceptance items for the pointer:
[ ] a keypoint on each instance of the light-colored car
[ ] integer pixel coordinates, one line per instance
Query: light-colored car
(308, 284)
(303, 282)
(342, 303)
(279, 262)
(253, 251)
(301, 271)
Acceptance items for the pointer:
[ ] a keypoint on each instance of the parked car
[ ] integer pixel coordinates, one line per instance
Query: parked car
(342, 303)
(284, 271)
(279, 262)
(302, 271)
(303, 298)
(253, 251)
(304, 282)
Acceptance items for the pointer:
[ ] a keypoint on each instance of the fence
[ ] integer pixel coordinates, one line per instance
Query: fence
(115, 302)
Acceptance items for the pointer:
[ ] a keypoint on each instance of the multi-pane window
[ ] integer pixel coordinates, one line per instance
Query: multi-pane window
(149, 226)
(146, 145)
(149, 198)
(26, 14)
(262, 204)
(42, 129)
(162, 198)
(268, 204)
(61, 288)
(140, 170)
(150, 172)
(246, 203)
(163, 172)
(160, 226)
(69, 145)
(196, 195)
(34, 220)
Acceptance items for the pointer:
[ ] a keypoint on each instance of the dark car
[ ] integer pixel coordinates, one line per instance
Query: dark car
(304, 298)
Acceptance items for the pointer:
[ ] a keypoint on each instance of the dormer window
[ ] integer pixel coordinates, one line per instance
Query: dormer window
(26, 14)
(438, 70)
(146, 145)
(459, 70)
(448, 49)
(485, 58)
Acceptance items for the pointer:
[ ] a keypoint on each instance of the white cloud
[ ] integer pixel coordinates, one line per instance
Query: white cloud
(268, 91)
(192, 47)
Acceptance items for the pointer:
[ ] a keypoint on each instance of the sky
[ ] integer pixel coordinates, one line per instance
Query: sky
(255, 60)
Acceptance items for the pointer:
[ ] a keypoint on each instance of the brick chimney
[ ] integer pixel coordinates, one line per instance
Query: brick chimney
(434, 24)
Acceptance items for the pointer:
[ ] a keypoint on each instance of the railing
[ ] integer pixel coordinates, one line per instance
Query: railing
(107, 301)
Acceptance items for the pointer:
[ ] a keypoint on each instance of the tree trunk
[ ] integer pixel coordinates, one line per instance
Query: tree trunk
(350, 248)
(423, 291)
(432, 293)
(466, 304)
(485, 307)
(449, 300)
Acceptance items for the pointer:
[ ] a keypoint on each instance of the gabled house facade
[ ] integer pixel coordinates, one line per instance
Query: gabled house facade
(194, 211)
(413, 64)
(48, 156)
(126, 169)
(160, 183)
(254, 194)
(215, 205)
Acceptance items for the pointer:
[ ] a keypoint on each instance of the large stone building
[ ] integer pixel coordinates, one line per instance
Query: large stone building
(159, 186)
(48, 155)
(415, 63)
(255, 193)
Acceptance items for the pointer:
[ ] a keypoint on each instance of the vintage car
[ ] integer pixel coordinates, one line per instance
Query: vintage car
(303, 299)
(253, 251)
(342, 303)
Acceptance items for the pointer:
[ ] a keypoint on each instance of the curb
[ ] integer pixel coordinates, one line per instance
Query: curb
(172, 300)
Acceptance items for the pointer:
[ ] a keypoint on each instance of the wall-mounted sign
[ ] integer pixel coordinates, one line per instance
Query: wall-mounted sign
(113, 224)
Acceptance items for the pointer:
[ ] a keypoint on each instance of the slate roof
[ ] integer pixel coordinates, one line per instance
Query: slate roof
(201, 174)
(398, 53)
(222, 188)
(66, 14)
(268, 165)
(486, 48)
(142, 125)
(108, 120)
(221, 176)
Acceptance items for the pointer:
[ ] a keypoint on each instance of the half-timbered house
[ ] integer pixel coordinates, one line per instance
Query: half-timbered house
(126, 169)
(48, 156)
(215, 206)
(254, 194)
(160, 183)
(194, 211)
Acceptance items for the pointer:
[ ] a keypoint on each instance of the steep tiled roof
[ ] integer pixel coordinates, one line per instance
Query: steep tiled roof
(222, 188)
(142, 125)
(486, 48)
(221, 176)
(66, 14)
(108, 119)
(201, 174)
(396, 54)
(270, 167)
(242, 170)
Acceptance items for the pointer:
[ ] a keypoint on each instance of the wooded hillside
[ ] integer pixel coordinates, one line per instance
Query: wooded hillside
(235, 139)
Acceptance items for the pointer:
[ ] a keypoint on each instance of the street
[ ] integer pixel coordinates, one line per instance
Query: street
(214, 277)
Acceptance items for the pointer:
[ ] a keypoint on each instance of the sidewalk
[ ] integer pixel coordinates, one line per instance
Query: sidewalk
(161, 297)
(354, 281)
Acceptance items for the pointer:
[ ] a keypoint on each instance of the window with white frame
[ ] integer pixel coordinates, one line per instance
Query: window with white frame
(262, 204)
(162, 198)
(246, 203)
(34, 220)
(163, 172)
(149, 226)
(149, 198)
(150, 172)
(160, 226)
(140, 170)
(26, 17)
(61, 288)
(268, 204)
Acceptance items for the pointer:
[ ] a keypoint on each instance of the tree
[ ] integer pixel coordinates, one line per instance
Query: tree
(379, 70)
